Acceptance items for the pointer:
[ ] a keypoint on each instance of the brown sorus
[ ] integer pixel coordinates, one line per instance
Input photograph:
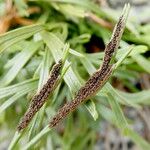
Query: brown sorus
(39, 99)
(114, 42)
(95, 82)
(98, 79)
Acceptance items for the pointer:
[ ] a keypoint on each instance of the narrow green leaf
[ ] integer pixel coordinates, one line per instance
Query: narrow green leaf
(7, 91)
(88, 65)
(75, 53)
(121, 59)
(106, 113)
(91, 108)
(46, 64)
(18, 95)
(15, 140)
(12, 37)
(144, 63)
(120, 118)
(89, 5)
(43, 132)
(139, 49)
(120, 98)
(20, 61)
(142, 97)
(71, 10)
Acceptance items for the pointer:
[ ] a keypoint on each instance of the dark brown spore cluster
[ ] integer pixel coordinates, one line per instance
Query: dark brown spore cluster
(114, 42)
(97, 80)
(39, 99)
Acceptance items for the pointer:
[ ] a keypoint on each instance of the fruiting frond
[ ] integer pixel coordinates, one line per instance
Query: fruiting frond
(99, 78)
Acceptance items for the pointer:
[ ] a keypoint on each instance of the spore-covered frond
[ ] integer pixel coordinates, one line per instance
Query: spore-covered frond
(116, 36)
(40, 98)
(99, 78)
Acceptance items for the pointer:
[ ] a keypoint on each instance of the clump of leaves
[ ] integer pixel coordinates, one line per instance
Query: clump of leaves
(30, 52)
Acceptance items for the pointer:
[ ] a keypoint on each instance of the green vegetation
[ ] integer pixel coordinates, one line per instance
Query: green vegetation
(27, 54)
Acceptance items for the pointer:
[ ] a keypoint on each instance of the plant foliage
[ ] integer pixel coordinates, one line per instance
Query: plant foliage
(28, 53)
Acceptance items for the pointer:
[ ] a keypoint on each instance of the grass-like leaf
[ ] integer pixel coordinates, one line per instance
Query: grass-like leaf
(30, 87)
(24, 56)
(87, 28)
(12, 37)
(7, 91)
(144, 63)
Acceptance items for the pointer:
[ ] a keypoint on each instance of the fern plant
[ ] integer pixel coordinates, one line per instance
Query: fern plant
(28, 54)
